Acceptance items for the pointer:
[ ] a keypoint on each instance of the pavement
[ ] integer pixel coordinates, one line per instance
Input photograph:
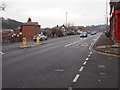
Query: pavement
(103, 45)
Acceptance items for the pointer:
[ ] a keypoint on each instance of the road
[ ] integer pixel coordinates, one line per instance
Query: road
(64, 62)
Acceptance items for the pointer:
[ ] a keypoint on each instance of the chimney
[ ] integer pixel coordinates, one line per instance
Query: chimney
(29, 19)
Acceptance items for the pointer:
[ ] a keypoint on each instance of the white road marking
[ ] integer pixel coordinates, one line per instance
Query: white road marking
(70, 88)
(90, 52)
(85, 63)
(71, 44)
(102, 73)
(101, 66)
(94, 39)
(99, 80)
(76, 78)
(87, 58)
(88, 55)
(1, 52)
(81, 68)
(74, 43)
(59, 70)
(82, 45)
(92, 44)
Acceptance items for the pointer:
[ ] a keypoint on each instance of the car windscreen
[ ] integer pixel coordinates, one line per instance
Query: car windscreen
(84, 33)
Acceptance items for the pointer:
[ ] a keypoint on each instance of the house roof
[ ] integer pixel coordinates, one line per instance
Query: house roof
(115, 5)
(31, 23)
(114, 0)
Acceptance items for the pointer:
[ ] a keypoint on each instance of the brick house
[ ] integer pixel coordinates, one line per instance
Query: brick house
(6, 33)
(29, 29)
(115, 21)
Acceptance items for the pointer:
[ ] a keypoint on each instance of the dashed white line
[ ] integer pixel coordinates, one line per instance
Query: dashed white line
(87, 58)
(82, 45)
(88, 55)
(1, 52)
(76, 78)
(70, 88)
(90, 52)
(81, 68)
(85, 63)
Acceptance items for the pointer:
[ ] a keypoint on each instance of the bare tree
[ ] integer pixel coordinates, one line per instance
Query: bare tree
(2, 7)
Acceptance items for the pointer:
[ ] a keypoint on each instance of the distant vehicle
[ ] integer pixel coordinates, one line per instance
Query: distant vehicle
(83, 34)
(88, 32)
(93, 33)
(41, 36)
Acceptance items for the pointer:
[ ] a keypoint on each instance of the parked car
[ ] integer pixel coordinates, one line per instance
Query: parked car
(41, 36)
(83, 34)
(88, 32)
(93, 33)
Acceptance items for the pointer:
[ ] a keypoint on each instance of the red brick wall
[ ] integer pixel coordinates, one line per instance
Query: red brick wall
(117, 31)
(115, 26)
(28, 32)
(37, 29)
(5, 37)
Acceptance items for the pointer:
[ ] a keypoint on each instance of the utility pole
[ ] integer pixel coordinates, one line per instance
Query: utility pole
(66, 20)
(106, 15)
(110, 40)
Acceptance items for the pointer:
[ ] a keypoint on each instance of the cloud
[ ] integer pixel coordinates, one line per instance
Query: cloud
(52, 12)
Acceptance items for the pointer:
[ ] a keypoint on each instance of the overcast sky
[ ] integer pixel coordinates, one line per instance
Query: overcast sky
(49, 13)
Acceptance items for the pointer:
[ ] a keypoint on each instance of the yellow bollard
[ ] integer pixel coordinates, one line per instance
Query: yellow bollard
(24, 41)
(38, 39)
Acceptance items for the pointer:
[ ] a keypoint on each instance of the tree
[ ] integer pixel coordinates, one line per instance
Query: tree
(57, 32)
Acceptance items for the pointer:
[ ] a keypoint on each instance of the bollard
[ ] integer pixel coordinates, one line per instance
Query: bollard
(24, 41)
(38, 40)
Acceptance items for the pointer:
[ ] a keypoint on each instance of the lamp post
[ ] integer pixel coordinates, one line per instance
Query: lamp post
(106, 15)
(66, 20)
(110, 40)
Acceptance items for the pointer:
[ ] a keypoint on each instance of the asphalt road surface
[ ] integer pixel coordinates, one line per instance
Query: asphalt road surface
(60, 63)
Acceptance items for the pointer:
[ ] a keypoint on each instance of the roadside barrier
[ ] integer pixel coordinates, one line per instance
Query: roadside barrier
(24, 41)
(38, 40)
